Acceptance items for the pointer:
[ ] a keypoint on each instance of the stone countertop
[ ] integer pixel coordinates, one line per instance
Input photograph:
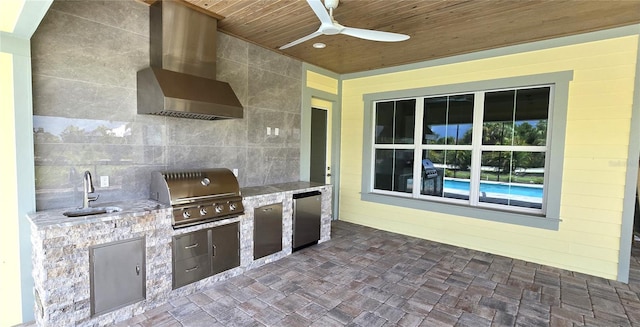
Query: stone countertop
(282, 187)
(54, 218)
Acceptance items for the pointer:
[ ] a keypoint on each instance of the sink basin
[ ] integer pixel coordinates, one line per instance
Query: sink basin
(91, 211)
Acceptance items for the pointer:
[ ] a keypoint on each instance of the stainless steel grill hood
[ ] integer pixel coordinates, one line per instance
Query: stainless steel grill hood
(181, 80)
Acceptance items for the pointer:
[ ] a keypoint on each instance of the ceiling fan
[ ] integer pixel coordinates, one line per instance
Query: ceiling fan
(328, 26)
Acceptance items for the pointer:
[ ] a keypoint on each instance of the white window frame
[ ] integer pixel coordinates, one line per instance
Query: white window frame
(476, 149)
(391, 146)
(547, 218)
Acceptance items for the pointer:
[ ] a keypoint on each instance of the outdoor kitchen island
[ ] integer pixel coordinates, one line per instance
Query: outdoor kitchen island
(62, 268)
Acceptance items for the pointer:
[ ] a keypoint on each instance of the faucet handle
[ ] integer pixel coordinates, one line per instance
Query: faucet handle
(93, 197)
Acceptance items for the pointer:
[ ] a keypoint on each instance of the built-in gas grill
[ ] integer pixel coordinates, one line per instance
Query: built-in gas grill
(198, 196)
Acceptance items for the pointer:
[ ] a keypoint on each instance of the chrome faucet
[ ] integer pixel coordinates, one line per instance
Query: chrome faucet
(88, 189)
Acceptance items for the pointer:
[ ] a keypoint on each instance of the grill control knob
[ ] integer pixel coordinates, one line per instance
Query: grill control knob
(232, 206)
(186, 214)
(203, 211)
(219, 208)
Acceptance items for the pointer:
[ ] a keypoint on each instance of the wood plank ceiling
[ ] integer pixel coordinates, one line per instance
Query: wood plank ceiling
(437, 28)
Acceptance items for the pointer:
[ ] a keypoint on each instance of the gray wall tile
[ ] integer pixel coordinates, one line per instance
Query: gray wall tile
(127, 15)
(70, 47)
(229, 48)
(269, 90)
(85, 57)
(270, 61)
(59, 96)
(236, 74)
(229, 132)
(272, 164)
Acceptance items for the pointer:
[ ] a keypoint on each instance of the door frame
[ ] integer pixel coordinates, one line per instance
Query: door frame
(327, 139)
(305, 131)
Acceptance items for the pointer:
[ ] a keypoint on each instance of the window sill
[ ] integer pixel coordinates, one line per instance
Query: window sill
(509, 217)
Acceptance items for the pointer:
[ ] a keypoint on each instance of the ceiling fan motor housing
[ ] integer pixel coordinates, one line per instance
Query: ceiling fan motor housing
(331, 29)
(331, 4)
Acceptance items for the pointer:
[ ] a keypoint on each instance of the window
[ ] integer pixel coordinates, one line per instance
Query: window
(395, 129)
(430, 151)
(480, 149)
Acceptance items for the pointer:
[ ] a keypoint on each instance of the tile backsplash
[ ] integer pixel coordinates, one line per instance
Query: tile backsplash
(85, 116)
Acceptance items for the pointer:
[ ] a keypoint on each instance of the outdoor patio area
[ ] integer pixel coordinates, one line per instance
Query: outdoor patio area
(367, 277)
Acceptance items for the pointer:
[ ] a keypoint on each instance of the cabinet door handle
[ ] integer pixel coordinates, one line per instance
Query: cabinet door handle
(191, 269)
(138, 270)
(191, 246)
(214, 250)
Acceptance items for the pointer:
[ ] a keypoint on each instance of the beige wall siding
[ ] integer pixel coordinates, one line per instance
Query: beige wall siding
(322, 82)
(596, 149)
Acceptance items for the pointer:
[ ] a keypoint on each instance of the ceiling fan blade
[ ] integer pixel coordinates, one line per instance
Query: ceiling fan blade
(302, 39)
(374, 35)
(320, 11)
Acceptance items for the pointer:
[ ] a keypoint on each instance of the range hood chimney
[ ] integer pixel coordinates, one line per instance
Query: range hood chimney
(181, 80)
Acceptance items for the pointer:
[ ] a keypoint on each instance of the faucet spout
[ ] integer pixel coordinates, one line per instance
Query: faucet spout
(88, 189)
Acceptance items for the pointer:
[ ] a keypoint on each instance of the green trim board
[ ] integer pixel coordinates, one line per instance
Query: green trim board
(336, 142)
(557, 123)
(631, 180)
(32, 14)
(18, 43)
(25, 175)
(17, 46)
(24, 159)
(305, 130)
(508, 50)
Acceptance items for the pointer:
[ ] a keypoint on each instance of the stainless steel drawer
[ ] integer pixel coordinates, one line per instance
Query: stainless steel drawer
(307, 211)
(190, 245)
(267, 230)
(190, 270)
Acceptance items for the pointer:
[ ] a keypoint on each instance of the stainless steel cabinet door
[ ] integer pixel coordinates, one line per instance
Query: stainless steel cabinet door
(117, 274)
(226, 247)
(307, 209)
(267, 230)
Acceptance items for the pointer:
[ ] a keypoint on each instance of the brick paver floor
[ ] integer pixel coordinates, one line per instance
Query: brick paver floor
(367, 277)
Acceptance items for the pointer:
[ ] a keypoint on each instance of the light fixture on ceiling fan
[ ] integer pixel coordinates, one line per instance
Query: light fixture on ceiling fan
(329, 26)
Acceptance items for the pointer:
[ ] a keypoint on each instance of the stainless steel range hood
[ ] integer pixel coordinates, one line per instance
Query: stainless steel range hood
(181, 80)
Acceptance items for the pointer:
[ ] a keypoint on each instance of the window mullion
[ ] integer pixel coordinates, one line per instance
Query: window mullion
(393, 123)
(448, 147)
(373, 150)
(476, 152)
(395, 146)
(513, 117)
(417, 142)
(521, 148)
(393, 138)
